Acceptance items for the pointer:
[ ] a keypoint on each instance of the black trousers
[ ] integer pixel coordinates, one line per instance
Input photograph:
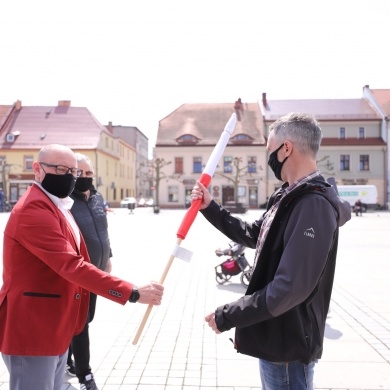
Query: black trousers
(79, 346)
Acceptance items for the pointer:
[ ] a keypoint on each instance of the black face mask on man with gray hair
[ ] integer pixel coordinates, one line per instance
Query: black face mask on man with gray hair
(275, 164)
(83, 184)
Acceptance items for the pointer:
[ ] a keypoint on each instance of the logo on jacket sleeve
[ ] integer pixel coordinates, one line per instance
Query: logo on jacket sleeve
(309, 233)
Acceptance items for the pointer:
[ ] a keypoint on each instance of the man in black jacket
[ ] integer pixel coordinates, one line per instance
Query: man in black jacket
(281, 318)
(89, 211)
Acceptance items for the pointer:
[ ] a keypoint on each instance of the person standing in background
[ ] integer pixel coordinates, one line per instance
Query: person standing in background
(358, 208)
(1, 200)
(89, 211)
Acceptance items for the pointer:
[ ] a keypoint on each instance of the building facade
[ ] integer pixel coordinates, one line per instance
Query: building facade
(25, 130)
(134, 137)
(353, 149)
(380, 99)
(187, 137)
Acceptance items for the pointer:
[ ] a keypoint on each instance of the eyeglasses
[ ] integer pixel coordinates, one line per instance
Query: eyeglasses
(87, 173)
(62, 169)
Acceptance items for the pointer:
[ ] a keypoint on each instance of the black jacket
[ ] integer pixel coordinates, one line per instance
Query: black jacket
(91, 218)
(282, 316)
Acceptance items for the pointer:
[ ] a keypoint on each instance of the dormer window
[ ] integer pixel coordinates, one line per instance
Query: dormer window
(187, 139)
(241, 139)
(10, 137)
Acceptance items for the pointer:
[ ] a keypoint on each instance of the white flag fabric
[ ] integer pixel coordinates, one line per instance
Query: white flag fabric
(182, 253)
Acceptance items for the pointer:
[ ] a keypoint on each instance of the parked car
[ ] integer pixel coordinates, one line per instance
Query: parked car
(141, 202)
(368, 195)
(149, 202)
(126, 201)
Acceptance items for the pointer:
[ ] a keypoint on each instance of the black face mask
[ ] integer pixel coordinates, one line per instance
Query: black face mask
(275, 164)
(83, 184)
(59, 185)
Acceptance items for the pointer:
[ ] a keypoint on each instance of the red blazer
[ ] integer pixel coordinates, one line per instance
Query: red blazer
(44, 298)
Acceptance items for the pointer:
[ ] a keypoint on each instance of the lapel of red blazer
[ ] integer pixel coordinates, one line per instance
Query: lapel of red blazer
(61, 216)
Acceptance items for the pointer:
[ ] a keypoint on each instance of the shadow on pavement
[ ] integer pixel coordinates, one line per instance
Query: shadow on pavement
(234, 287)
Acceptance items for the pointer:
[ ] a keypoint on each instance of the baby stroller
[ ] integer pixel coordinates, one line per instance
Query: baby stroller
(237, 263)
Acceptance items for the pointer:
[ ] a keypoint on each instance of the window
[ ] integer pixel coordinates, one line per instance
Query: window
(178, 164)
(361, 132)
(28, 163)
(173, 194)
(227, 164)
(252, 164)
(364, 162)
(187, 139)
(241, 139)
(197, 165)
(344, 162)
(342, 132)
(241, 191)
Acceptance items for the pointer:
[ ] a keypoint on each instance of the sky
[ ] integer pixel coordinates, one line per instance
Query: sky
(132, 63)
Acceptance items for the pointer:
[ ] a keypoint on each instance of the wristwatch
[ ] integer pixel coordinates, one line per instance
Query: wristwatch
(134, 295)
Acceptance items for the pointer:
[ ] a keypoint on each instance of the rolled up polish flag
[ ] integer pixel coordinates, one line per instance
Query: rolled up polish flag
(207, 174)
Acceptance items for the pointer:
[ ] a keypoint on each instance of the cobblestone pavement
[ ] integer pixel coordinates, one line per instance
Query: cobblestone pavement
(177, 351)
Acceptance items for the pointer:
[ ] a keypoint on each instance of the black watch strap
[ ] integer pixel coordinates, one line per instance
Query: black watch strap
(134, 295)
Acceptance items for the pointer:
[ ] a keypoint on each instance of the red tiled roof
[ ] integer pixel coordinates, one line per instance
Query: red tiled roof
(4, 113)
(37, 126)
(207, 121)
(382, 96)
(322, 109)
(352, 142)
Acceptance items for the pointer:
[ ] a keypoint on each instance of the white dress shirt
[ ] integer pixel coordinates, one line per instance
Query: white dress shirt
(64, 205)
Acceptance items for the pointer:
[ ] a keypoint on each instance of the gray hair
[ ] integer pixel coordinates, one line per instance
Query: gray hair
(301, 129)
(83, 157)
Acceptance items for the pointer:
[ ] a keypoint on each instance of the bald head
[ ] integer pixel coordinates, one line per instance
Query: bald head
(53, 154)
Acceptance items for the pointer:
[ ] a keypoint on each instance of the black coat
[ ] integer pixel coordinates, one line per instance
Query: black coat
(91, 218)
(282, 316)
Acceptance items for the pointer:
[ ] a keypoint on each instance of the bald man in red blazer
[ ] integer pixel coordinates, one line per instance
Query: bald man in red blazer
(47, 277)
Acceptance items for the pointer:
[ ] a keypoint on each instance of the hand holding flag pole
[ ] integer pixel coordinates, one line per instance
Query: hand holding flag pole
(191, 213)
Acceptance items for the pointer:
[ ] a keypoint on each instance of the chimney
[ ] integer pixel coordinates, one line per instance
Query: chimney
(238, 108)
(18, 105)
(264, 99)
(109, 127)
(63, 103)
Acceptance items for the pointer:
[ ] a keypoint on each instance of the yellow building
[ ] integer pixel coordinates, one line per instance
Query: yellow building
(25, 130)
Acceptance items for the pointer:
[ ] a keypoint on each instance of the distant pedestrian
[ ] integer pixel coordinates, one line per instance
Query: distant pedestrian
(358, 208)
(1, 200)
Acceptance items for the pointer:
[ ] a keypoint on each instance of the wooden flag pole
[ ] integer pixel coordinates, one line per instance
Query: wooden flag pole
(194, 208)
(150, 307)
